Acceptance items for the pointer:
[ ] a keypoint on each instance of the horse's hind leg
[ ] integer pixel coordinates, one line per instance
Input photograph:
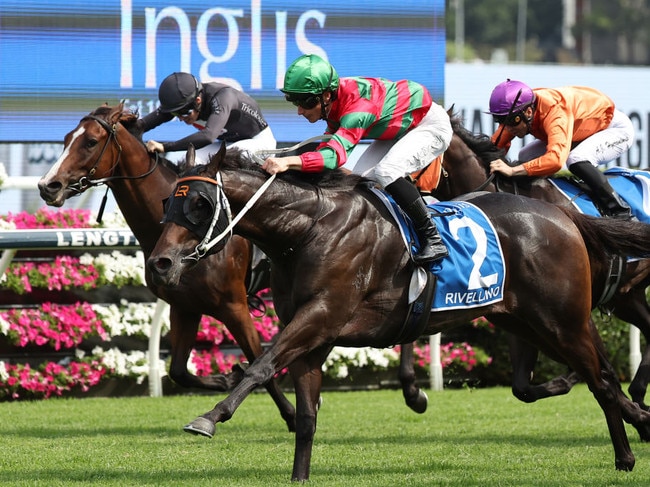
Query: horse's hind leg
(632, 413)
(415, 397)
(633, 308)
(183, 328)
(523, 358)
(584, 352)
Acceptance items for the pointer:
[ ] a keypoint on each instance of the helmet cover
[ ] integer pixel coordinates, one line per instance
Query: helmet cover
(510, 97)
(177, 91)
(310, 74)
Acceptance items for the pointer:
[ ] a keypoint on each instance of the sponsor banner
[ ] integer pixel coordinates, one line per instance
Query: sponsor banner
(62, 59)
(104, 238)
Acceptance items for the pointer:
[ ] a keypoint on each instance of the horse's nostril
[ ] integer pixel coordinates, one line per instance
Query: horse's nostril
(160, 265)
(50, 188)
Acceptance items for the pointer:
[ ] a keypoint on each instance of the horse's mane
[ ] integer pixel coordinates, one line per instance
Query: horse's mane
(480, 144)
(337, 180)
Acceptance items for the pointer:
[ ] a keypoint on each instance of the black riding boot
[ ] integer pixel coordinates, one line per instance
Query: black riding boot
(408, 198)
(609, 202)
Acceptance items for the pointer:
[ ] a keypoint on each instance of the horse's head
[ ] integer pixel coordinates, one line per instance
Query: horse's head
(91, 152)
(196, 221)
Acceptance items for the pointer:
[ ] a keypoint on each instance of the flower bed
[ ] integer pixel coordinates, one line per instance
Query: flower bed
(85, 340)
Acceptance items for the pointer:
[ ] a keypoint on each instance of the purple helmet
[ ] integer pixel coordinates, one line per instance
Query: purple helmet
(510, 97)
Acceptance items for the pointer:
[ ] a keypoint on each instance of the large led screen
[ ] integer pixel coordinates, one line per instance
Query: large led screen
(62, 59)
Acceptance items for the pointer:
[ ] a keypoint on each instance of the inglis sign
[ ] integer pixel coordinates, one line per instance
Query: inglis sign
(62, 59)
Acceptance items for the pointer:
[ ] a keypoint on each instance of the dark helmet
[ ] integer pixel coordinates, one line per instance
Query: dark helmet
(177, 91)
(310, 75)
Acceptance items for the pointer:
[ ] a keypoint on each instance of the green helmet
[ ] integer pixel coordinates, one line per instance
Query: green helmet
(310, 74)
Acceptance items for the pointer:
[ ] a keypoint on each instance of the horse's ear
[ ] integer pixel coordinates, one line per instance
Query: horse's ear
(190, 157)
(116, 113)
(217, 159)
(450, 110)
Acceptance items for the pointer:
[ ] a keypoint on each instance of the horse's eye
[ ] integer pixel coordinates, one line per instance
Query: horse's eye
(198, 211)
(90, 143)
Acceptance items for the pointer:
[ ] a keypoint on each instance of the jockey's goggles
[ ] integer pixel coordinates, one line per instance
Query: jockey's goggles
(184, 112)
(305, 102)
(510, 120)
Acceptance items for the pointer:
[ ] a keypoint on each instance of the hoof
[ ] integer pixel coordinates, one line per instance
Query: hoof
(200, 426)
(420, 403)
(626, 463)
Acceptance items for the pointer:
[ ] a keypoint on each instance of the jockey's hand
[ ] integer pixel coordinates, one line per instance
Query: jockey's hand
(153, 146)
(274, 165)
(500, 166)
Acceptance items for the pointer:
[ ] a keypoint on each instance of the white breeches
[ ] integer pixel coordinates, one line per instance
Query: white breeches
(600, 148)
(387, 160)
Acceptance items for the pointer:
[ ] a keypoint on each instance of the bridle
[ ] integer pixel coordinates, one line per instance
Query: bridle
(208, 242)
(86, 182)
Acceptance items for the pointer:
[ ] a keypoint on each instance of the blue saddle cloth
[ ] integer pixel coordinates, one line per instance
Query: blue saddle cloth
(633, 186)
(473, 273)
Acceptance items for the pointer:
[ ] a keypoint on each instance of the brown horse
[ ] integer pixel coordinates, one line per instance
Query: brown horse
(103, 150)
(465, 169)
(341, 272)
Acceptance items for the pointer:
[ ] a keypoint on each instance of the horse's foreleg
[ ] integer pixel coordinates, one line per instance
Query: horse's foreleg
(307, 378)
(260, 372)
(415, 397)
(287, 348)
(243, 329)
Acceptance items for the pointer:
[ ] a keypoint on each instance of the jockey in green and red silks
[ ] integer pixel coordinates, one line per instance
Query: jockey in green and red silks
(368, 108)
(408, 131)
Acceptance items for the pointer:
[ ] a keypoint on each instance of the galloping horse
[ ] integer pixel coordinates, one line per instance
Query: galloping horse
(103, 150)
(341, 273)
(465, 169)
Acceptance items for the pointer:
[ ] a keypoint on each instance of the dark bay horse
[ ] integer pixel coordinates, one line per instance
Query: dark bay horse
(465, 169)
(341, 272)
(103, 149)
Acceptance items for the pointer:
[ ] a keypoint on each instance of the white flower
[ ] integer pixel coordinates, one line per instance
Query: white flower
(342, 372)
(129, 318)
(118, 267)
(113, 220)
(6, 225)
(341, 360)
(132, 364)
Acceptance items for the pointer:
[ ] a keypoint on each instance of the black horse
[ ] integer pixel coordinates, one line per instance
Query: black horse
(341, 273)
(465, 169)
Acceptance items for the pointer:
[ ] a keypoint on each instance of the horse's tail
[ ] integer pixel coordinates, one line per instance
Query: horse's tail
(604, 236)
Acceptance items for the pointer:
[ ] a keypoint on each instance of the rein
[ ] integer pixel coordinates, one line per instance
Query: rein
(206, 244)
